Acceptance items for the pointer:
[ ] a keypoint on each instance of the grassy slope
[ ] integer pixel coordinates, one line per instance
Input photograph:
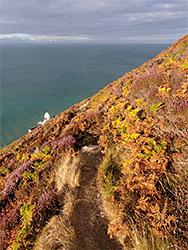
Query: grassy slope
(140, 123)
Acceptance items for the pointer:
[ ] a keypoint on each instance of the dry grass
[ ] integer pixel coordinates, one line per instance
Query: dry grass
(68, 173)
(59, 233)
(142, 239)
(81, 224)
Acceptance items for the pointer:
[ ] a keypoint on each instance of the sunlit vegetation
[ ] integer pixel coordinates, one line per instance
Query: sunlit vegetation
(140, 124)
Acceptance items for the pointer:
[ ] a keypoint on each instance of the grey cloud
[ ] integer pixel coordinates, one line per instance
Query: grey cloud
(96, 19)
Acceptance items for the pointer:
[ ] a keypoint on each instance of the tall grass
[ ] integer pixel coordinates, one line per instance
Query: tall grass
(59, 232)
(68, 173)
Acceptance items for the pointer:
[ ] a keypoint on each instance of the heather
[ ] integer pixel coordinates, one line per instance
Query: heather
(139, 123)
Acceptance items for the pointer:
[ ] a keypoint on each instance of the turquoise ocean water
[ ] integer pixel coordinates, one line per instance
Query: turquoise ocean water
(36, 78)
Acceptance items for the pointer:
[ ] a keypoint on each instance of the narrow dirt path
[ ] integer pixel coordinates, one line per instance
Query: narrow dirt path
(82, 223)
(90, 222)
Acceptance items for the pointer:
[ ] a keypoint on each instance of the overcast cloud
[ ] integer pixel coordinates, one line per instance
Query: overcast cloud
(97, 20)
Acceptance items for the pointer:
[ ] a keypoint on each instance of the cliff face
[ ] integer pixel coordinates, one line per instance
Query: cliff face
(138, 126)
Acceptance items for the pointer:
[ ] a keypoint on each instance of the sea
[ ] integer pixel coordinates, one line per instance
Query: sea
(39, 78)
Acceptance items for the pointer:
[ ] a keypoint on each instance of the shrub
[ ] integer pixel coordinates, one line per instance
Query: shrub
(8, 220)
(66, 142)
(178, 104)
(45, 207)
(14, 177)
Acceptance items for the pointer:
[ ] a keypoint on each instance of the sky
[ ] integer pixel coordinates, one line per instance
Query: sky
(125, 21)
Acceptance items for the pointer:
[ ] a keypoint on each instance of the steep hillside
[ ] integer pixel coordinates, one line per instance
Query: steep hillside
(116, 160)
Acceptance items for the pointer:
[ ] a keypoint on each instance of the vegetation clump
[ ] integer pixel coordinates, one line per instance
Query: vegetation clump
(140, 125)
